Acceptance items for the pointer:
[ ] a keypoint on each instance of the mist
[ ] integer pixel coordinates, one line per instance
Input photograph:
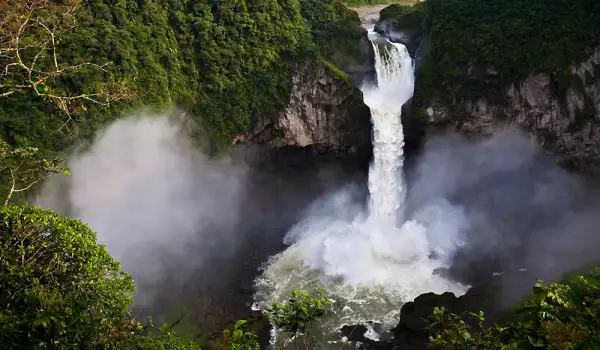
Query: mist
(519, 210)
(478, 212)
(153, 198)
(192, 230)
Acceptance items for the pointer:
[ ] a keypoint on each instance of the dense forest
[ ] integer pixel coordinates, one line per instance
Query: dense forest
(503, 43)
(222, 61)
(374, 2)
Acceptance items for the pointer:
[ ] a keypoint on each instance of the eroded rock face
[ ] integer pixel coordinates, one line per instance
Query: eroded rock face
(566, 126)
(325, 112)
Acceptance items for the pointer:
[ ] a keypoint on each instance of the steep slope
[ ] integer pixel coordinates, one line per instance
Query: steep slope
(529, 64)
(341, 39)
(223, 62)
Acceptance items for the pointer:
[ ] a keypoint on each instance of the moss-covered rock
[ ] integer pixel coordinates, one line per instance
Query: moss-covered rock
(340, 38)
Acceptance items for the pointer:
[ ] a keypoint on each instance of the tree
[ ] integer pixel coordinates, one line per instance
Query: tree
(60, 289)
(557, 316)
(239, 338)
(296, 314)
(30, 61)
(22, 168)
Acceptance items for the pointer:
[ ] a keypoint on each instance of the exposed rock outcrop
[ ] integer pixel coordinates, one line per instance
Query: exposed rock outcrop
(325, 117)
(567, 125)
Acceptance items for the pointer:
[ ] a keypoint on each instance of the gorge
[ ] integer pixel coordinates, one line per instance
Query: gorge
(249, 148)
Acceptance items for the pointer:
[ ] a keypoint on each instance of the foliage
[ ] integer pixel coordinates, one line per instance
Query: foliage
(166, 340)
(337, 32)
(30, 62)
(453, 332)
(478, 47)
(295, 314)
(558, 316)
(239, 338)
(223, 61)
(22, 168)
(60, 289)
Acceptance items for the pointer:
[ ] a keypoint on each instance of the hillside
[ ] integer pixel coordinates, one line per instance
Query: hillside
(221, 61)
(530, 64)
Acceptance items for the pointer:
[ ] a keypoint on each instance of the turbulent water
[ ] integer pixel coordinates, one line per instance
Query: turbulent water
(369, 262)
(395, 83)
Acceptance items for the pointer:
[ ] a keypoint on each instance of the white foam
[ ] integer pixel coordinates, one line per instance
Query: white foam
(366, 261)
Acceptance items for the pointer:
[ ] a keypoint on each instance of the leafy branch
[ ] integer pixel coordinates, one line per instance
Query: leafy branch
(296, 314)
(30, 33)
(556, 316)
(22, 168)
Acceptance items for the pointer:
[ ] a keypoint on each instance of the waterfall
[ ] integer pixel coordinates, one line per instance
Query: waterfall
(395, 85)
(369, 261)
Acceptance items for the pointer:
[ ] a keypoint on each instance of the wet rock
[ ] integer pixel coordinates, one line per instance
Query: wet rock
(357, 334)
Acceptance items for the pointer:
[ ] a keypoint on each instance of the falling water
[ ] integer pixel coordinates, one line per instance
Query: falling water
(365, 260)
(395, 84)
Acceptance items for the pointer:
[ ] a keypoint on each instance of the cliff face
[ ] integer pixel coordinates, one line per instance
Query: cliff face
(491, 64)
(325, 117)
(567, 125)
(323, 108)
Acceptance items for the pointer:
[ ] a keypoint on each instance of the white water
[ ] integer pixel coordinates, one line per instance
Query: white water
(365, 261)
(395, 84)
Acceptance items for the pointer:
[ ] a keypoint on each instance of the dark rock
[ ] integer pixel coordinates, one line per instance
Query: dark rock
(362, 70)
(495, 298)
(324, 118)
(357, 334)
(411, 40)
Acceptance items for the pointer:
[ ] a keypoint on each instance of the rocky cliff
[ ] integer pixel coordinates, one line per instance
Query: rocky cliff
(325, 117)
(491, 65)
(568, 126)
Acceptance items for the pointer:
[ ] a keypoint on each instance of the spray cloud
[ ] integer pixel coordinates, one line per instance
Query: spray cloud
(155, 202)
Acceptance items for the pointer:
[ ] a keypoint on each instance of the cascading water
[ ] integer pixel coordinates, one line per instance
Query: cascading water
(395, 84)
(365, 261)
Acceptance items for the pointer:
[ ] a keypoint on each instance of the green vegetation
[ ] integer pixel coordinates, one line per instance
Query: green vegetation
(477, 47)
(222, 61)
(239, 338)
(69, 66)
(558, 316)
(405, 18)
(61, 290)
(295, 315)
(23, 168)
(337, 32)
